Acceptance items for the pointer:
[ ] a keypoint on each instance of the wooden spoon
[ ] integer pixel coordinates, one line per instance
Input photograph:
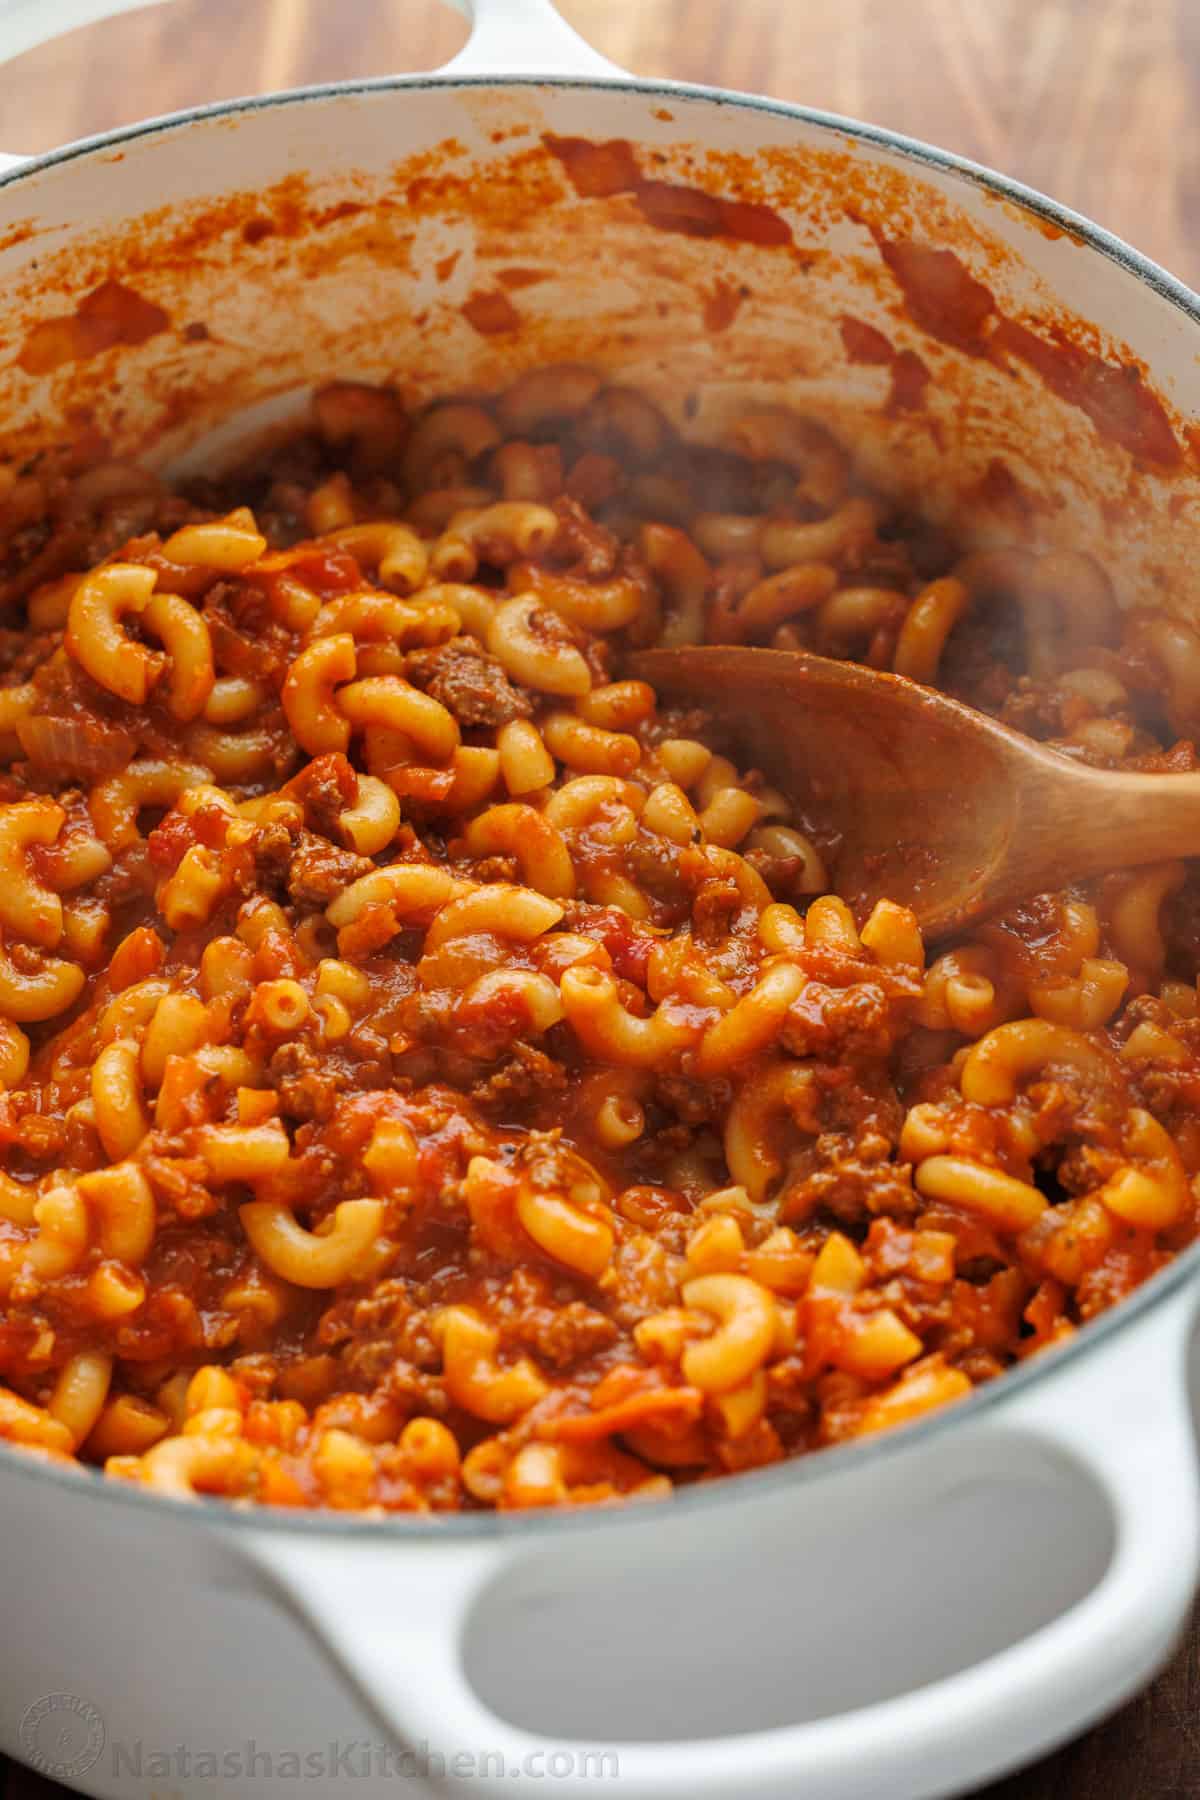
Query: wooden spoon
(937, 806)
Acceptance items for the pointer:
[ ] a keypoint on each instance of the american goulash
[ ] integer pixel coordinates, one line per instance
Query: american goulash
(433, 1075)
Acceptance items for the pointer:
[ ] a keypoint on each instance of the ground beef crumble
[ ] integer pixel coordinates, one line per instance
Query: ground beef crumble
(469, 683)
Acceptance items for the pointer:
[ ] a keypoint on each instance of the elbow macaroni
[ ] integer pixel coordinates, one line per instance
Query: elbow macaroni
(437, 1075)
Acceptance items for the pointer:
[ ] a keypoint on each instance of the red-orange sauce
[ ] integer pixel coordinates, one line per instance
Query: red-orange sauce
(600, 170)
(490, 311)
(110, 314)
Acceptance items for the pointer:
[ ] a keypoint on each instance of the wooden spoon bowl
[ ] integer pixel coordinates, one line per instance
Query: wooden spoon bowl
(938, 806)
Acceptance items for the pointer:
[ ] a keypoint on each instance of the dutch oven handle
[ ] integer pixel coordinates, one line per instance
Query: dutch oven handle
(524, 37)
(399, 1618)
(508, 37)
(24, 24)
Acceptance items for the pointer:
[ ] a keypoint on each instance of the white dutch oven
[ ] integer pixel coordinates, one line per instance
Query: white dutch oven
(900, 1618)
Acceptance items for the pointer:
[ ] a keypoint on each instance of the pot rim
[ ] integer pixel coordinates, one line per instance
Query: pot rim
(467, 1526)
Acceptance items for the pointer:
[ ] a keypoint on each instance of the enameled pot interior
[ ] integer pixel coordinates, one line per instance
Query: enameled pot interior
(177, 290)
(980, 356)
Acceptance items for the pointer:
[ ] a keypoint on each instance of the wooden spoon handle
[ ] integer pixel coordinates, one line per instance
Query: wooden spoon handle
(1074, 821)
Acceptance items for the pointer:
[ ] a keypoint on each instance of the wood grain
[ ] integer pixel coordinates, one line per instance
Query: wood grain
(1094, 101)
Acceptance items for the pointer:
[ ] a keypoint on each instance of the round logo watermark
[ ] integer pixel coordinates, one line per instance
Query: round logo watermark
(62, 1735)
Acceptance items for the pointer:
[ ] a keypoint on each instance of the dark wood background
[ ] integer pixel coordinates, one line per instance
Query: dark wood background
(1094, 101)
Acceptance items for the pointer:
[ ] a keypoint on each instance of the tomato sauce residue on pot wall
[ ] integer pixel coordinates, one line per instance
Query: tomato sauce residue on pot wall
(1114, 396)
(910, 376)
(600, 170)
(110, 314)
(490, 311)
(722, 304)
(951, 305)
(941, 296)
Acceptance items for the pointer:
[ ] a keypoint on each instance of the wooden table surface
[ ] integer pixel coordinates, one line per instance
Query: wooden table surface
(1094, 101)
